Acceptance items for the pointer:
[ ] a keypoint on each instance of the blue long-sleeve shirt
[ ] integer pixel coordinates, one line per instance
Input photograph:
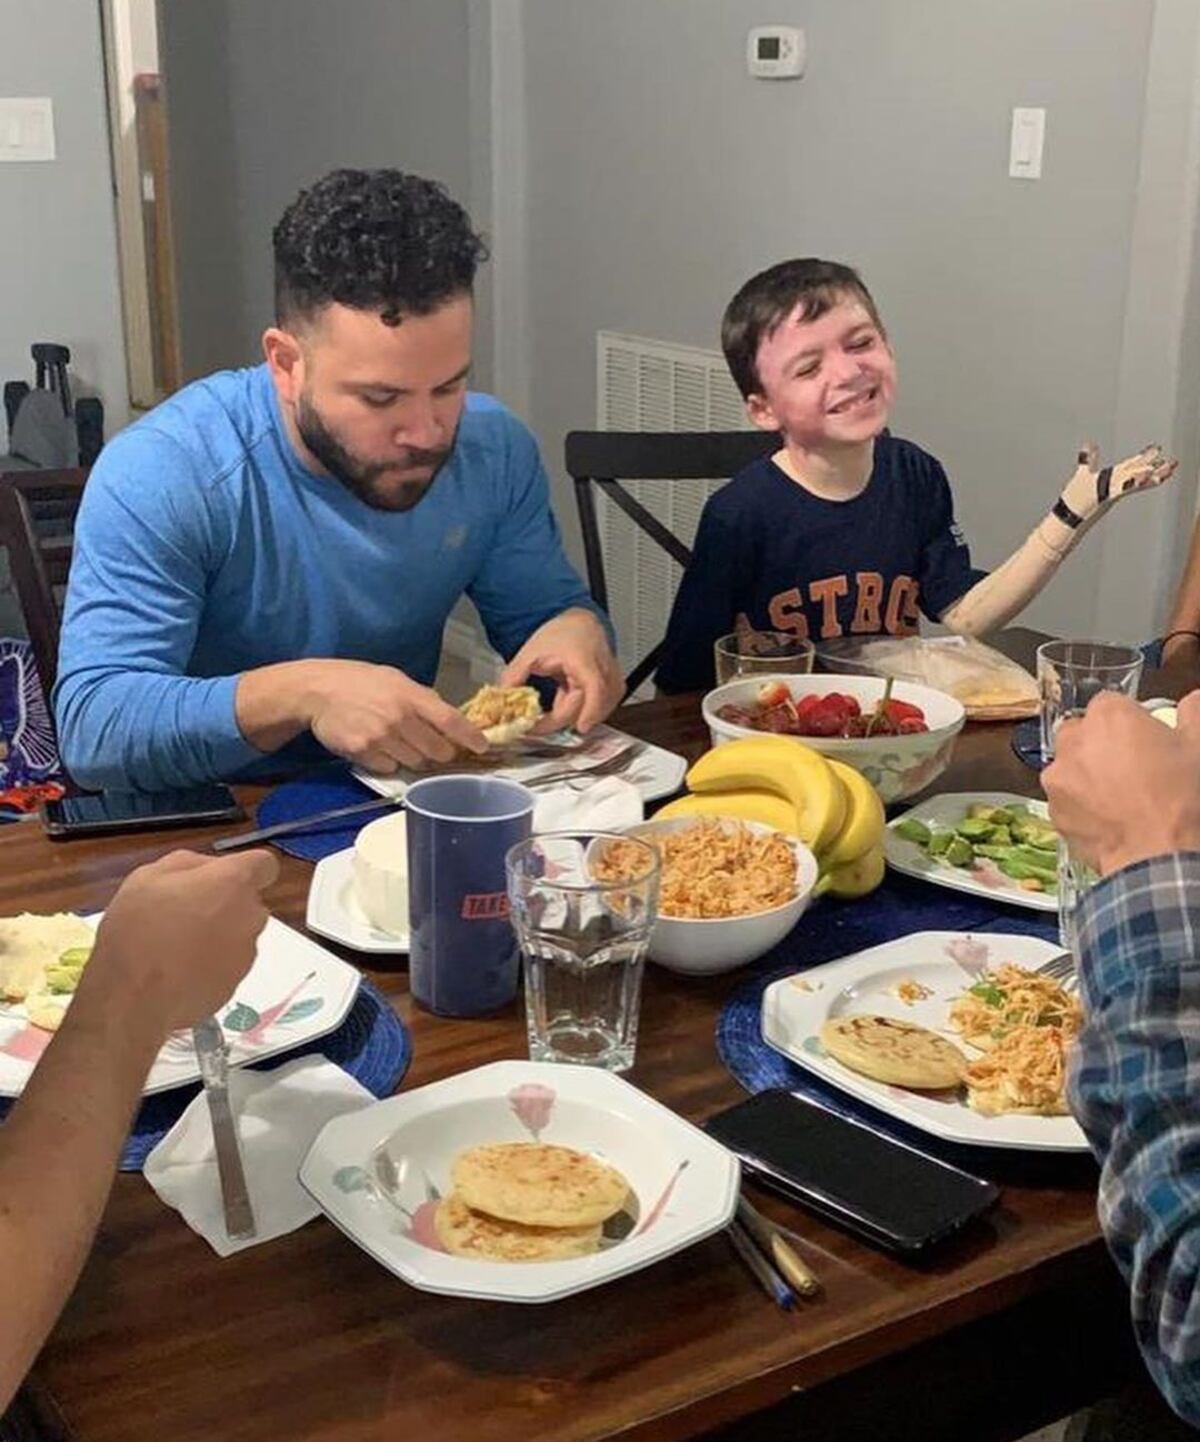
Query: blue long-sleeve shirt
(205, 548)
(1134, 1084)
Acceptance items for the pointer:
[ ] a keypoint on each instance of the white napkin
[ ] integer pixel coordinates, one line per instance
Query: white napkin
(278, 1115)
(608, 804)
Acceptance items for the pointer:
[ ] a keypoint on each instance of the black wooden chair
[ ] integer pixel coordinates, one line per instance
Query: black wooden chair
(37, 513)
(605, 458)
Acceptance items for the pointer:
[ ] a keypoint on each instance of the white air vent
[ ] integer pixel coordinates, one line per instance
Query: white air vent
(648, 385)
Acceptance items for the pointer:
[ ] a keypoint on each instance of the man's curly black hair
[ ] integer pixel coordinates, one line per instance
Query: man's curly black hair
(375, 240)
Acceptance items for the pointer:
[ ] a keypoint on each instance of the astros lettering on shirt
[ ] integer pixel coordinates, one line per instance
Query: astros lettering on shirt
(771, 555)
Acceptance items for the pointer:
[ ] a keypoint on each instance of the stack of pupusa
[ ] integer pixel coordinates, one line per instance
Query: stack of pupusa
(528, 1202)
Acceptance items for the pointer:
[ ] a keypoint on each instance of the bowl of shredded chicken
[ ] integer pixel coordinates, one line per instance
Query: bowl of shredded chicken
(730, 890)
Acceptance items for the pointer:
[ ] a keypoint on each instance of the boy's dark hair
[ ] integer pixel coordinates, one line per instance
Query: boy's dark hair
(373, 240)
(767, 299)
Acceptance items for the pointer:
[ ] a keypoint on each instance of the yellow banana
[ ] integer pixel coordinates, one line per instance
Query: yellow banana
(786, 767)
(856, 878)
(863, 827)
(762, 806)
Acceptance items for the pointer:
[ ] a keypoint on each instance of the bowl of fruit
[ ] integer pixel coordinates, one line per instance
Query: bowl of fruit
(899, 734)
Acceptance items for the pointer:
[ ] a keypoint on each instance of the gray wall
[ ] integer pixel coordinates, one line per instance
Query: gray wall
(659, 176)
(58, 248)
(265, 96)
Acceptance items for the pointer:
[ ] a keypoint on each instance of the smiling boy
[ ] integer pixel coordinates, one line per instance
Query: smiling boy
(847, 530)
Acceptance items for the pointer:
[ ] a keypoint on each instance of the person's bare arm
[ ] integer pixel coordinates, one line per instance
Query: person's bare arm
(1181, 649)
(172, 947)
(1089, 494)
(375, 716)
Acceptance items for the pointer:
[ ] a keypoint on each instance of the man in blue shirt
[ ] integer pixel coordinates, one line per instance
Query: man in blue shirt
(265, 563)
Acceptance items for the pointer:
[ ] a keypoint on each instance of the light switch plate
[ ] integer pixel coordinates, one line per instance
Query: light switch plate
(1025, 143)
(27, 128)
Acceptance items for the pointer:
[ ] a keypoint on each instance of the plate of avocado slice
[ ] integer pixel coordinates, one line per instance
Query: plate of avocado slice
(988, 843)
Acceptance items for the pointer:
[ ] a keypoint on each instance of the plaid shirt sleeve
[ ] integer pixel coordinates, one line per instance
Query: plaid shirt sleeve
(1135, 1087)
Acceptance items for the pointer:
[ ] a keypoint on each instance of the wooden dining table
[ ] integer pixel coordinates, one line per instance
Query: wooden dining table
(1015, 1321)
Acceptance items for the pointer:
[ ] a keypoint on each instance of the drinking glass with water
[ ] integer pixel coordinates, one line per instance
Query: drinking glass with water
(584, 943)
(1070, 675)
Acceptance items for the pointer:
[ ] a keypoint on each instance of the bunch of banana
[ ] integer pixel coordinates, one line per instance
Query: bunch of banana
(779, 781)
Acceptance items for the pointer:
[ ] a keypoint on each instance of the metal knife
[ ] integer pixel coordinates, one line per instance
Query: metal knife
(213, 1056)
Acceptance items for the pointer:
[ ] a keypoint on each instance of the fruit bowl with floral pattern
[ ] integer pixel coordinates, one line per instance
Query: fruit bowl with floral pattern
(898, 766)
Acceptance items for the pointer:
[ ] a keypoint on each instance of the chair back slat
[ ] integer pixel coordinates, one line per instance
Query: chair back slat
(665, 455)
(37, 516)
(605, 458)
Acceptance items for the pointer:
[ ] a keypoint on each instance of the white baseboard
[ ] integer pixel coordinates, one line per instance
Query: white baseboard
(462, 641)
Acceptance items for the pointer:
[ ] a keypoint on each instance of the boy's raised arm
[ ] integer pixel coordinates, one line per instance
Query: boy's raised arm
(1089, 494)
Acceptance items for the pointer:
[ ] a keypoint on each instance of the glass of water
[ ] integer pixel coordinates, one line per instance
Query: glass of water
(1070, 673)
(584, 943)
(1075, 879)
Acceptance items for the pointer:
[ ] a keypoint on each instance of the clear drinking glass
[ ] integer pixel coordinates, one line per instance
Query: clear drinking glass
(584, 944)
(761, 653)
(1070, 673)
(1075, 878)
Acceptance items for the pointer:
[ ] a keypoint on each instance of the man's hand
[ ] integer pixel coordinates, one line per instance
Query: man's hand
(381, 719)
(178, 937)
(1124, 787)
(573, 649)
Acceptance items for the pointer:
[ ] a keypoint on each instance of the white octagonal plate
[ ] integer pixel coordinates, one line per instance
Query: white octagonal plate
(334, 912)
(655, 772)
(294, 992)
(379, 1173)
(947, 810)
(796, 1007)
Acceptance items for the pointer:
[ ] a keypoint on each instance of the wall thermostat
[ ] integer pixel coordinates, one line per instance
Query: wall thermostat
(775, 52)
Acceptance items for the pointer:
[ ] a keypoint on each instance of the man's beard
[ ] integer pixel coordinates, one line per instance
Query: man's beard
(366, 479)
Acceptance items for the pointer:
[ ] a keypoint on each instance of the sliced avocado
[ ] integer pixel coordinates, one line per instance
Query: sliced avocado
(913, 830)
(1021, 871)
(1033, 831)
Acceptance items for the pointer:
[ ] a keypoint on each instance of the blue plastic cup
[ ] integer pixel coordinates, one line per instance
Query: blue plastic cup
(463, 953)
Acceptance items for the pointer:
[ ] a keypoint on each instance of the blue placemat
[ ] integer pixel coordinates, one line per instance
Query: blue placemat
(323, 790)
(1027, 742)
(372, 1045)
(833, 929)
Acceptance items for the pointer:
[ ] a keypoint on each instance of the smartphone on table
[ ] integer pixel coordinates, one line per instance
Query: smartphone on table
(885, 1191)
(139, 811)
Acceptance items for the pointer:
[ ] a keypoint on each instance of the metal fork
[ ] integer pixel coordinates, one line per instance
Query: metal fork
(1059, 968)
(615, 766)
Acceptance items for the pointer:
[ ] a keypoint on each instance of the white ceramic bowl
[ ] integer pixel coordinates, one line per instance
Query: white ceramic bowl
(897, 766)
(377, 1173)
(706, 946)
(380, 871)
